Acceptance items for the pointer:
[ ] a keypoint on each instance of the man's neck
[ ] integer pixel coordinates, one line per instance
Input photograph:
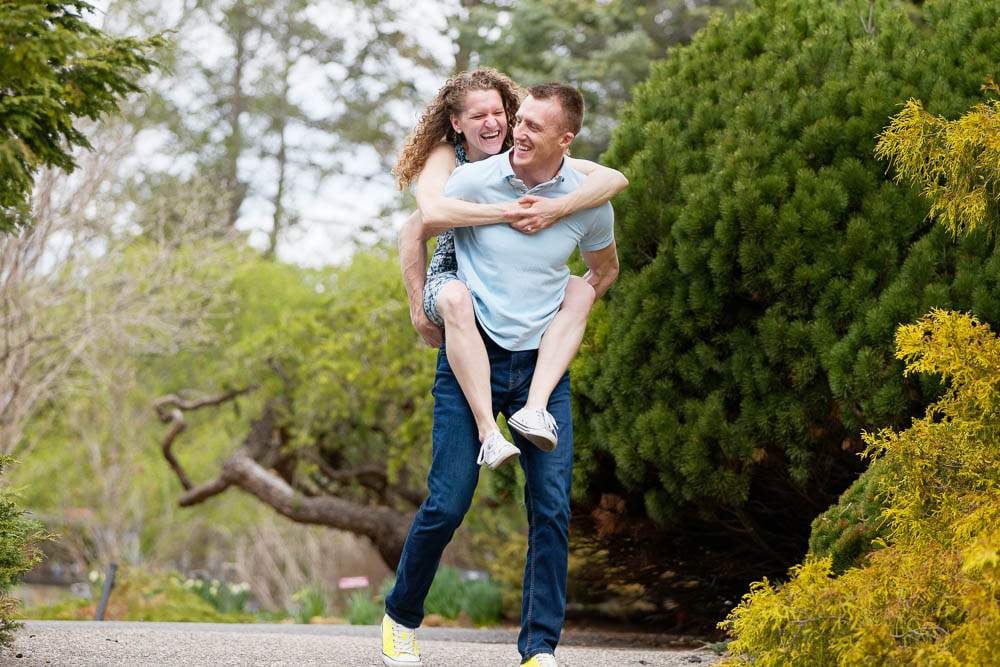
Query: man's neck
(537, 174)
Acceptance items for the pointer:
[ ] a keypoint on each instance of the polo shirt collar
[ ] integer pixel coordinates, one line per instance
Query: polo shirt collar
(507, 173)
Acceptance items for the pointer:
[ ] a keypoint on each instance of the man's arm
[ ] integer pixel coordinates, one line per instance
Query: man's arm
(603, 268)
(439, 212)
(413, 262)
(533, 214)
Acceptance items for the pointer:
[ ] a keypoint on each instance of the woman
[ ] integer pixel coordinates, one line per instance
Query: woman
(470, 119)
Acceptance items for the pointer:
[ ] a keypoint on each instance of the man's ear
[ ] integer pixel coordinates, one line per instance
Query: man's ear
(566, 139)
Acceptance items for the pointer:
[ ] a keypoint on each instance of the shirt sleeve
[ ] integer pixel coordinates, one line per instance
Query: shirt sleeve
(601, 231)
(460, 184)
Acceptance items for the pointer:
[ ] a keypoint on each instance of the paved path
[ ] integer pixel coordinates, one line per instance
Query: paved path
(126, 643)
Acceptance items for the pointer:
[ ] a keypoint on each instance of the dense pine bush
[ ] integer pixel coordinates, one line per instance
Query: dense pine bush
(848, 531)
(767, 259)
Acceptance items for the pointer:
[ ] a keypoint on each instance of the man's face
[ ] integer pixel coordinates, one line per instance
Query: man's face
(483, 122)
(539, 136)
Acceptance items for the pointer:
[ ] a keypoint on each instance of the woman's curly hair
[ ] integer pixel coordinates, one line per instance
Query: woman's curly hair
(434, 125)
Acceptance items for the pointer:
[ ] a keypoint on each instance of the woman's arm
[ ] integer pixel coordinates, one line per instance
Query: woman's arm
(413, 262)
(534, 214)
(439, 212)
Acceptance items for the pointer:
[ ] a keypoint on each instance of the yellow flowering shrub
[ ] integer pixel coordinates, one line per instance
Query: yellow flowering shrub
(930, 595)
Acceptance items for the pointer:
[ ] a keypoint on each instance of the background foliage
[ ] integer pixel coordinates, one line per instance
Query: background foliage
(603, 48)
(57, 69)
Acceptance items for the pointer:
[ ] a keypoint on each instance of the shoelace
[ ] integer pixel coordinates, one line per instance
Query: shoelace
(486, 451)
(403, 639)
(546, 418)
(550, 421)
(546, 660)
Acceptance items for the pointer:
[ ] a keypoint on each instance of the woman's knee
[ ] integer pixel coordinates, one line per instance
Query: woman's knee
(454, 302)
(580, 296)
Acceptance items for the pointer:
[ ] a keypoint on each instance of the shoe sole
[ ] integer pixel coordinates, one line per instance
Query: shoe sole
(389, 662)
(540, 439)
(507, 457)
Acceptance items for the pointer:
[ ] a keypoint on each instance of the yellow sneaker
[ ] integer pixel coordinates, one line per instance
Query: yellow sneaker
(540, 660)
(399, 645)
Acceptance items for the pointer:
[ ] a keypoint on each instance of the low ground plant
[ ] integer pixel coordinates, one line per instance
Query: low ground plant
(451, 596)
(140, 595)
(311, 602)
(362, 609)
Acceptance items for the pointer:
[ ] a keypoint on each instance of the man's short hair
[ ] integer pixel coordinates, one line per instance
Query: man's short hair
(569, 99)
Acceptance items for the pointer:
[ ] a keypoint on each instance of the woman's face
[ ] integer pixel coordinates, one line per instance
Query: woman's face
(483, 122)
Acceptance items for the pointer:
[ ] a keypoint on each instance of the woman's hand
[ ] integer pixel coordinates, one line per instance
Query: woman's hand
(430, 332)
(532, 214)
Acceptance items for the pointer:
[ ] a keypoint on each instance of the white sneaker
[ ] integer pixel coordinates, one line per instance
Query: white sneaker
(540, 660)
(399, 645)
(496, 451)
(537, 426)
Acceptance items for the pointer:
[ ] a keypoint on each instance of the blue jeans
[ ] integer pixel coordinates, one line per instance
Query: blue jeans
(452, 480)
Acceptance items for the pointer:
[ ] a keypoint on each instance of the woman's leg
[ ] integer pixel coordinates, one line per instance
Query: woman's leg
(560, 342)
(467, 353)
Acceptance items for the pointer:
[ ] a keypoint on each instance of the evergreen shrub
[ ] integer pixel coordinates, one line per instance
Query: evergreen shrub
(931, 595)
(767, 258)
(19, 552)
(848, 531)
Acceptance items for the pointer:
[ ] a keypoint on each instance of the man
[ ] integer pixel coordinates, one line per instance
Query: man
(517, 283)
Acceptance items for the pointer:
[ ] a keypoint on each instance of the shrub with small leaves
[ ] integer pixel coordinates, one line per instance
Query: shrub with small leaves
(931, 595)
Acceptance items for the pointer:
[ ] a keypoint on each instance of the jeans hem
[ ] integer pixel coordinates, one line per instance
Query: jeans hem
(394, 616)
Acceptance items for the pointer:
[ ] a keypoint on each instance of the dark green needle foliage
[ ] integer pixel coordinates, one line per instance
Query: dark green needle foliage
(767, 259)
(19, 538)
(55, 69)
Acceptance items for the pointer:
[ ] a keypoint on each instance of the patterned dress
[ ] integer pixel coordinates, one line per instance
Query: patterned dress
(443, 266)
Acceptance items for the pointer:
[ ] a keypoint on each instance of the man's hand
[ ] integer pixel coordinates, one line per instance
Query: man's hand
(533, 214)
(430, 332)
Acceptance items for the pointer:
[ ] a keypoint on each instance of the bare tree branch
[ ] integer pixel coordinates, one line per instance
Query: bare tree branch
(202, 493)
(170, 409)
(251, 468)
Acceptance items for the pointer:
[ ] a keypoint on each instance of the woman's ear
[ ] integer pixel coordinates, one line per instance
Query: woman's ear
(454, 124)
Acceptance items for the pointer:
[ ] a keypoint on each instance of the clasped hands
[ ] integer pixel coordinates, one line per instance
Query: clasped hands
(531, 214)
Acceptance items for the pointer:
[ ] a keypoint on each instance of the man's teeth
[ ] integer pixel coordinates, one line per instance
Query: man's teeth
(494, 135)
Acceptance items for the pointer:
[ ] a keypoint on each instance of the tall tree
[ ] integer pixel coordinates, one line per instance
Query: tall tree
(55, 69)
(296, 96)
(603, 48)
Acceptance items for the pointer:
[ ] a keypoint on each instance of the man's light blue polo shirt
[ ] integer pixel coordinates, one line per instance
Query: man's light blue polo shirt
(517, 280)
